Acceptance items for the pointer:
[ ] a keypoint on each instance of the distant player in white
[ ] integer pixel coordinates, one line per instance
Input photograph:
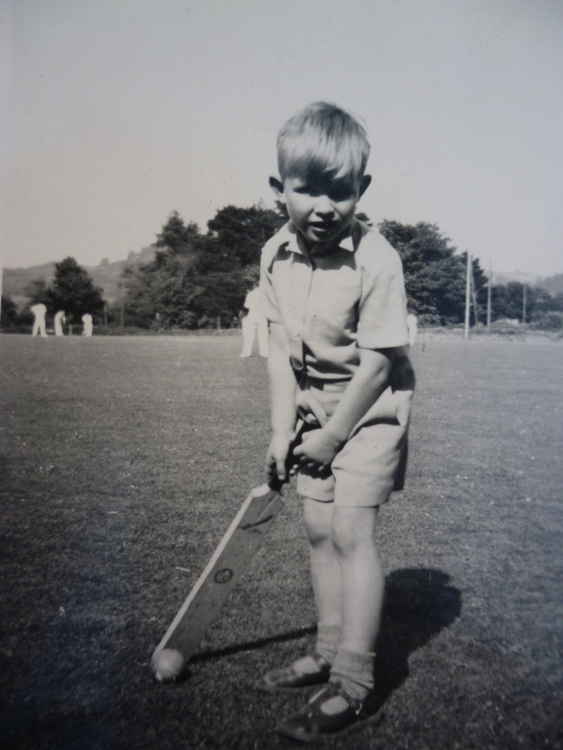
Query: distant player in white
(254, 324)
(412, 325)
(39, 311)
(88, 324)
(60, 320)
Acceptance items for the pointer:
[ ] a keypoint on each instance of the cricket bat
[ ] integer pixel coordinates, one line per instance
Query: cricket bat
(225, 568)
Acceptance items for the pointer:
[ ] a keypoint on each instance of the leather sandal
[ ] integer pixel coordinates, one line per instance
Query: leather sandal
(291, 677)
(313, 722)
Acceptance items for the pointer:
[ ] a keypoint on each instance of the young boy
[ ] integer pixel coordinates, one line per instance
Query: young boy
(335, 300)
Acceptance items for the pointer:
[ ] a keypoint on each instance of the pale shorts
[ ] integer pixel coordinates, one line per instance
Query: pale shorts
(372, 463)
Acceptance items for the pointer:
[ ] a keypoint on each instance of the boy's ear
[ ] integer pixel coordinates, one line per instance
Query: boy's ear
(277, 187)
(364, 184)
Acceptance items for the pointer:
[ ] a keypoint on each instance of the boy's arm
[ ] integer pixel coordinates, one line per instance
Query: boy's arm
(283, 409)
(368, 383)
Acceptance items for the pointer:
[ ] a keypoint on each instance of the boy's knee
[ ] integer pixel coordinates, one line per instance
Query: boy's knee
(318, 520)
(352, 528)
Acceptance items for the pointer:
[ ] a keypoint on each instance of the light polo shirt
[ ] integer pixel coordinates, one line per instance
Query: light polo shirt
(330, 305)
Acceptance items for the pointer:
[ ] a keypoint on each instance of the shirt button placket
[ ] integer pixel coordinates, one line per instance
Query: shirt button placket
(296, 352)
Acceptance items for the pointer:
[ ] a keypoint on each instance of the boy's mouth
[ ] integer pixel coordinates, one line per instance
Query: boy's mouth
(323, 227)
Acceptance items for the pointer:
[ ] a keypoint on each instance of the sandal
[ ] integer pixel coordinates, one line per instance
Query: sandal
(294, 676)
(314, 721)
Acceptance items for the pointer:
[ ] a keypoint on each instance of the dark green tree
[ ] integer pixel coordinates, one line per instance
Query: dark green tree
(434, 270)
(73, 291)
(507, 300)
(195, 278)
(242, 232)
(38, 291)
(8, 312)
(177, 236)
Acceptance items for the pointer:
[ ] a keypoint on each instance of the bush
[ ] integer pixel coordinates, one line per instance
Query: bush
(429, 319)
(549, 321)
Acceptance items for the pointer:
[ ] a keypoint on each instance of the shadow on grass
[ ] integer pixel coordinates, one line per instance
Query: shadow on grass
(292, 635)
(419, 603)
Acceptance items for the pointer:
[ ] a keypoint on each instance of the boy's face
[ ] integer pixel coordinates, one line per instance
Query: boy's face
(320, 207)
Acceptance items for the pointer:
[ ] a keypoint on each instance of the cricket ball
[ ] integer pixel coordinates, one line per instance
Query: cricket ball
(167, 664)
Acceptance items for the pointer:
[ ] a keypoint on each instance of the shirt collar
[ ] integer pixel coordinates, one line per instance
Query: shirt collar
(350, 241)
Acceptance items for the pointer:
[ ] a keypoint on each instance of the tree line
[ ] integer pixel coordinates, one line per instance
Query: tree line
(199, 280)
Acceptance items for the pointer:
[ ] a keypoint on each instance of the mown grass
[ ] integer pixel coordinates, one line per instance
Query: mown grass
(123, 461)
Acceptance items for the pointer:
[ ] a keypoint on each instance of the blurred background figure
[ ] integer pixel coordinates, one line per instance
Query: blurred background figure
(60, 320)
(412, 325)
(254, 324)
(39, 311)
(88, 324)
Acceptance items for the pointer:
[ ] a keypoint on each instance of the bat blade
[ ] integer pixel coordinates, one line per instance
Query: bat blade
(227, 565)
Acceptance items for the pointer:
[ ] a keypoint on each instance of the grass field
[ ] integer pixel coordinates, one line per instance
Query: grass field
(124, 459)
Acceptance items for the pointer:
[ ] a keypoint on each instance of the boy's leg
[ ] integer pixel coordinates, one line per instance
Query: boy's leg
(362, 597)
(246, 338)
(263, 342)
(353, 534)
(325, 575)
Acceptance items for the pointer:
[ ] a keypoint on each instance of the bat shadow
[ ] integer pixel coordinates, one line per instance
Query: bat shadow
(419, 603)
(236, 648)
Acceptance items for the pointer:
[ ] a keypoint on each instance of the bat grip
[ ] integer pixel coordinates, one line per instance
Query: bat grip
(275, 482)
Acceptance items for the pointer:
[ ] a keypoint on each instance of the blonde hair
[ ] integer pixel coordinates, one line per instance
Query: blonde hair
(322, 139)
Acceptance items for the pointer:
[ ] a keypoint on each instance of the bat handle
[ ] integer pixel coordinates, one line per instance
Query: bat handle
(274, 482)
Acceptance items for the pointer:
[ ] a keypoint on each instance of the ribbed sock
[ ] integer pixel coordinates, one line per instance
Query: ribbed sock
(327, 641)
(354, 671)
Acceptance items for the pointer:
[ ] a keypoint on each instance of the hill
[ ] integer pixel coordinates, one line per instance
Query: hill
(505, 277)
(553, 284)
(106, 275)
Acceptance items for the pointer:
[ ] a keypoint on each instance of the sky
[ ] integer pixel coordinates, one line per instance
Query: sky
(121, 111)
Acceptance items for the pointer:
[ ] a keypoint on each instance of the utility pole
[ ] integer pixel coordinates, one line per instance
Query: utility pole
(474, 298)
(121, 305)
(524, 288)
(489, 295)
(467, 293)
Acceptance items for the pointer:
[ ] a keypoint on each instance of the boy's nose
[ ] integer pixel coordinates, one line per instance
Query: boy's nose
(323, 206)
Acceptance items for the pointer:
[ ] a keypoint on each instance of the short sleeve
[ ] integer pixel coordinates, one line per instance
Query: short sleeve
(269, 299)
(382, 316)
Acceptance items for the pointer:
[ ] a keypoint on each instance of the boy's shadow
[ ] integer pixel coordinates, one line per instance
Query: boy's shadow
(419, 603)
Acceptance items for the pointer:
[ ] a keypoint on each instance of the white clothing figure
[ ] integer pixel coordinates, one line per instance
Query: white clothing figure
(254, 324)
(60, 320)
(412, 325)
(88, 324)
(39, 312)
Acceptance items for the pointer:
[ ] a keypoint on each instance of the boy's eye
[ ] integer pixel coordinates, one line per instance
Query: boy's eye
(336, 192)
(340, 193)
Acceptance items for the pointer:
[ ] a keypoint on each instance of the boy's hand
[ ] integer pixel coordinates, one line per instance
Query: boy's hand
(276, 457)
(310, 409)
(318, 448)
